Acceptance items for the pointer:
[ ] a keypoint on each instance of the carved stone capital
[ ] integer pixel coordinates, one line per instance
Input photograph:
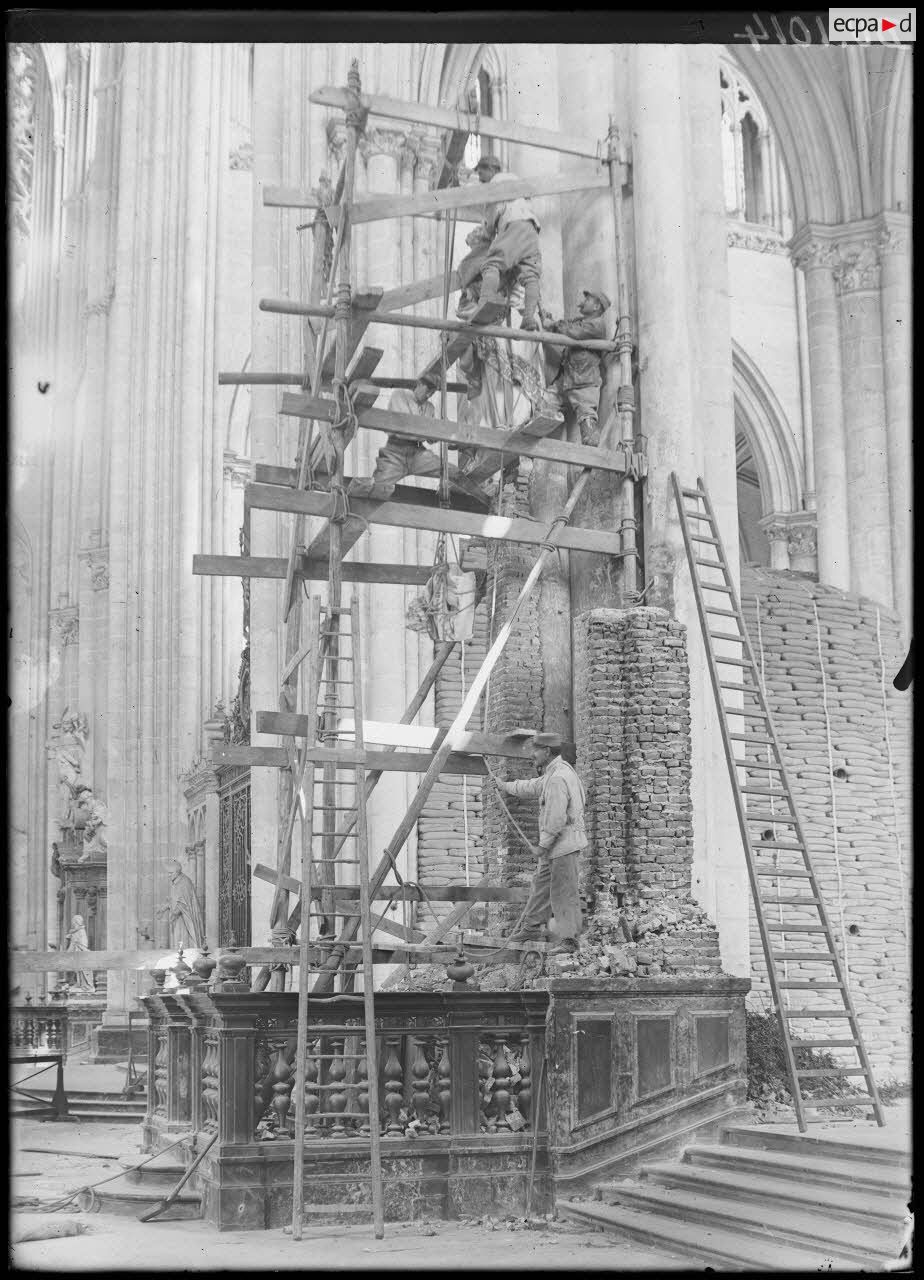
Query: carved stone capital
(237, 469)
(198, 781)
(96, 558)
(383, 141)
(429, 158)
(65, 625)
(894, 234)
(758, 238)
(241, 156)
(814, 251)
(859, 267)
(775, 528)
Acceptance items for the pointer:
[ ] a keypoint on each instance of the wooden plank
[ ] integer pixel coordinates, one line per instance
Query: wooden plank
(362, 307)
(290, 307)
(474, 195)
(408, 295)
(462, 121)
(459, 434)
(298, 380)
(314, 570)
(385, 761)
(392, 734)
(461, 501)
(263, 497)
(365, 364)
(488, 464)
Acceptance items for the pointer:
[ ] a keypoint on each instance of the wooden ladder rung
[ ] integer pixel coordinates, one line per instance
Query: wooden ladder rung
(823, 1044)
(698, 537)
(811, 986)
(750, 689)
(726, 635)
(860, 1100)
(758, 845)
(782, 873)
(745, 715)
(710, 564)
(698, 515)
(757, 742)
(720, 613)
(733, 662)
(764, 791)
(692, 493)
(827, 957)
(820, 1013)
(796, 928)
(790, 902)
(709, 586)
(771, 818)
(833, 1071)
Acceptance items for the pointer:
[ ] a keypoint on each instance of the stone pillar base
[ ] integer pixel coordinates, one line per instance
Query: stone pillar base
(109, 1042)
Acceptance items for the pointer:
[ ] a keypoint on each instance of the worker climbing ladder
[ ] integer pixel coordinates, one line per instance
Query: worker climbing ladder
(805, 937)
(327, 775)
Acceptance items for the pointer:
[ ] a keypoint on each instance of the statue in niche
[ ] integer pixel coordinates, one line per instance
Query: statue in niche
(77, 941)
(184, 913)
(92, 815)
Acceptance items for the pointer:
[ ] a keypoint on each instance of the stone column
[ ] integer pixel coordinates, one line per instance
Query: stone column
(868, 504)
(895, 300)
(815, 255)
(777, 531)
(802, 543)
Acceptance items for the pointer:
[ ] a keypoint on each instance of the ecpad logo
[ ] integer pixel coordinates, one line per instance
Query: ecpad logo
(849, 26)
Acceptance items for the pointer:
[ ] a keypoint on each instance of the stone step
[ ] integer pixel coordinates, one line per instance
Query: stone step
(87, 1105)
(769, 1221)
(836, 1202)
(708, 1246)
(123, 1198)
(874, 1180)
(764, 1138)
(161, 1175)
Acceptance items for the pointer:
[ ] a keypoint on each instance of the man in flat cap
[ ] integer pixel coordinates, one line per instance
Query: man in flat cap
(579, 378)
(556, 888)
(513, 250)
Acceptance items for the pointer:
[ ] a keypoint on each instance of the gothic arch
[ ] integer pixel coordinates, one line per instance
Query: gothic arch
(811, 109)
(760, 417)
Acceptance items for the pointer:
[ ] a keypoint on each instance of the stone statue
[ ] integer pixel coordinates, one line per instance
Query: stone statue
(187, 926)
(77, 941)
(92, 815)
(69, 748)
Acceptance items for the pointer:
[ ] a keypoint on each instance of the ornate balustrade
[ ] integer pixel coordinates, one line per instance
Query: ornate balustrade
(38, 1028)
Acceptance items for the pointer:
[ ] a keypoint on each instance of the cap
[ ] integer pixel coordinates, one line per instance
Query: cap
(489, 162)
(552, 740)
(600, 297)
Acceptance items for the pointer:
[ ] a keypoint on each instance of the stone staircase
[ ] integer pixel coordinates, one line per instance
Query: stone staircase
(764, 1200)
(140, 1190)
(94, 1104)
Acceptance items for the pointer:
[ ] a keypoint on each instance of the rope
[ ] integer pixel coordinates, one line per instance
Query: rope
(468, 879)
(888, 741)
(63, 1201)
(776, 852)
(837, 858)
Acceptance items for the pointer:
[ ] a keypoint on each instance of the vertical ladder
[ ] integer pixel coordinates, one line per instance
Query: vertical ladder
(340, 790)
(805, 937)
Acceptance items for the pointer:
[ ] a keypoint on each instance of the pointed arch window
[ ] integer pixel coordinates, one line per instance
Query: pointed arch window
(755, 181)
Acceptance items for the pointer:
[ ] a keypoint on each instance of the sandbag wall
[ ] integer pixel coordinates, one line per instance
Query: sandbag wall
(846, 735)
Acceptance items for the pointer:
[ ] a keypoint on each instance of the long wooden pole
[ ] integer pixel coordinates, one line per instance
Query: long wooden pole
(625, 394)
(325, 979)
(287, 307)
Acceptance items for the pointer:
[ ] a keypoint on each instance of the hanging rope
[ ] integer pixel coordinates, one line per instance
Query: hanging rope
(468, 878)
(776, 852)
(448, 247)
(831, 788)
(888, 742)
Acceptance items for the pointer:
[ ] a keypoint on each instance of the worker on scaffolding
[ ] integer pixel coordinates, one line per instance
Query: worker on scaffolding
(555, 891)
(402, 456)
(579, 377)
(512, 230)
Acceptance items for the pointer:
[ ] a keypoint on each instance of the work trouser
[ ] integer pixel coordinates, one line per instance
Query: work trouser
(555, 891)
(517, 248)
(398, 457)
(584, 403)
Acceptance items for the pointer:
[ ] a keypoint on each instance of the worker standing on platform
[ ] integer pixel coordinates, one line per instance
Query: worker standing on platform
(555, 890)
(579, 377)
(514, 245)
(402, 456)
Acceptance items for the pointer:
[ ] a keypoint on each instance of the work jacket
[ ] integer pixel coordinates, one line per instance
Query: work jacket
(402, 401)
(497, 216)
(580, 367)
(561, 807)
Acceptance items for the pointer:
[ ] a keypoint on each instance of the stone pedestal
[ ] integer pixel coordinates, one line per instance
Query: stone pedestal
(83, 892)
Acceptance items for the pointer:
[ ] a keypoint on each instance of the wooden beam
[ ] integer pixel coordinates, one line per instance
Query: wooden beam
(290, 307)
(383, 761)
(298, 380)
(425, 737)
(460, 121)
(362, 308)
(460, 434)
(474, 195)
(461, 501)
(407, 892)
(408, 295)
(265, 497)
(313, 570)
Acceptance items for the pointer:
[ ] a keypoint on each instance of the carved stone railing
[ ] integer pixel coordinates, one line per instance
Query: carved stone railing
(459, 1064)
(38, 1028)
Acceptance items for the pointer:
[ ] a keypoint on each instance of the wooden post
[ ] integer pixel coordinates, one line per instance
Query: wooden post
(625, 395)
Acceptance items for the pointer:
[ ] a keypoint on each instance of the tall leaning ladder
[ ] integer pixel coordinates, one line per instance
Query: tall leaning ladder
(340, 790)
(805, 937)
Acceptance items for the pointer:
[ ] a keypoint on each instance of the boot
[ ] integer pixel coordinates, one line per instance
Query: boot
(590, 431)
(530, 304)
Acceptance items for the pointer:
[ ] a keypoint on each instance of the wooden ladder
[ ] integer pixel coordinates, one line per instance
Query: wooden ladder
(805, 936)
